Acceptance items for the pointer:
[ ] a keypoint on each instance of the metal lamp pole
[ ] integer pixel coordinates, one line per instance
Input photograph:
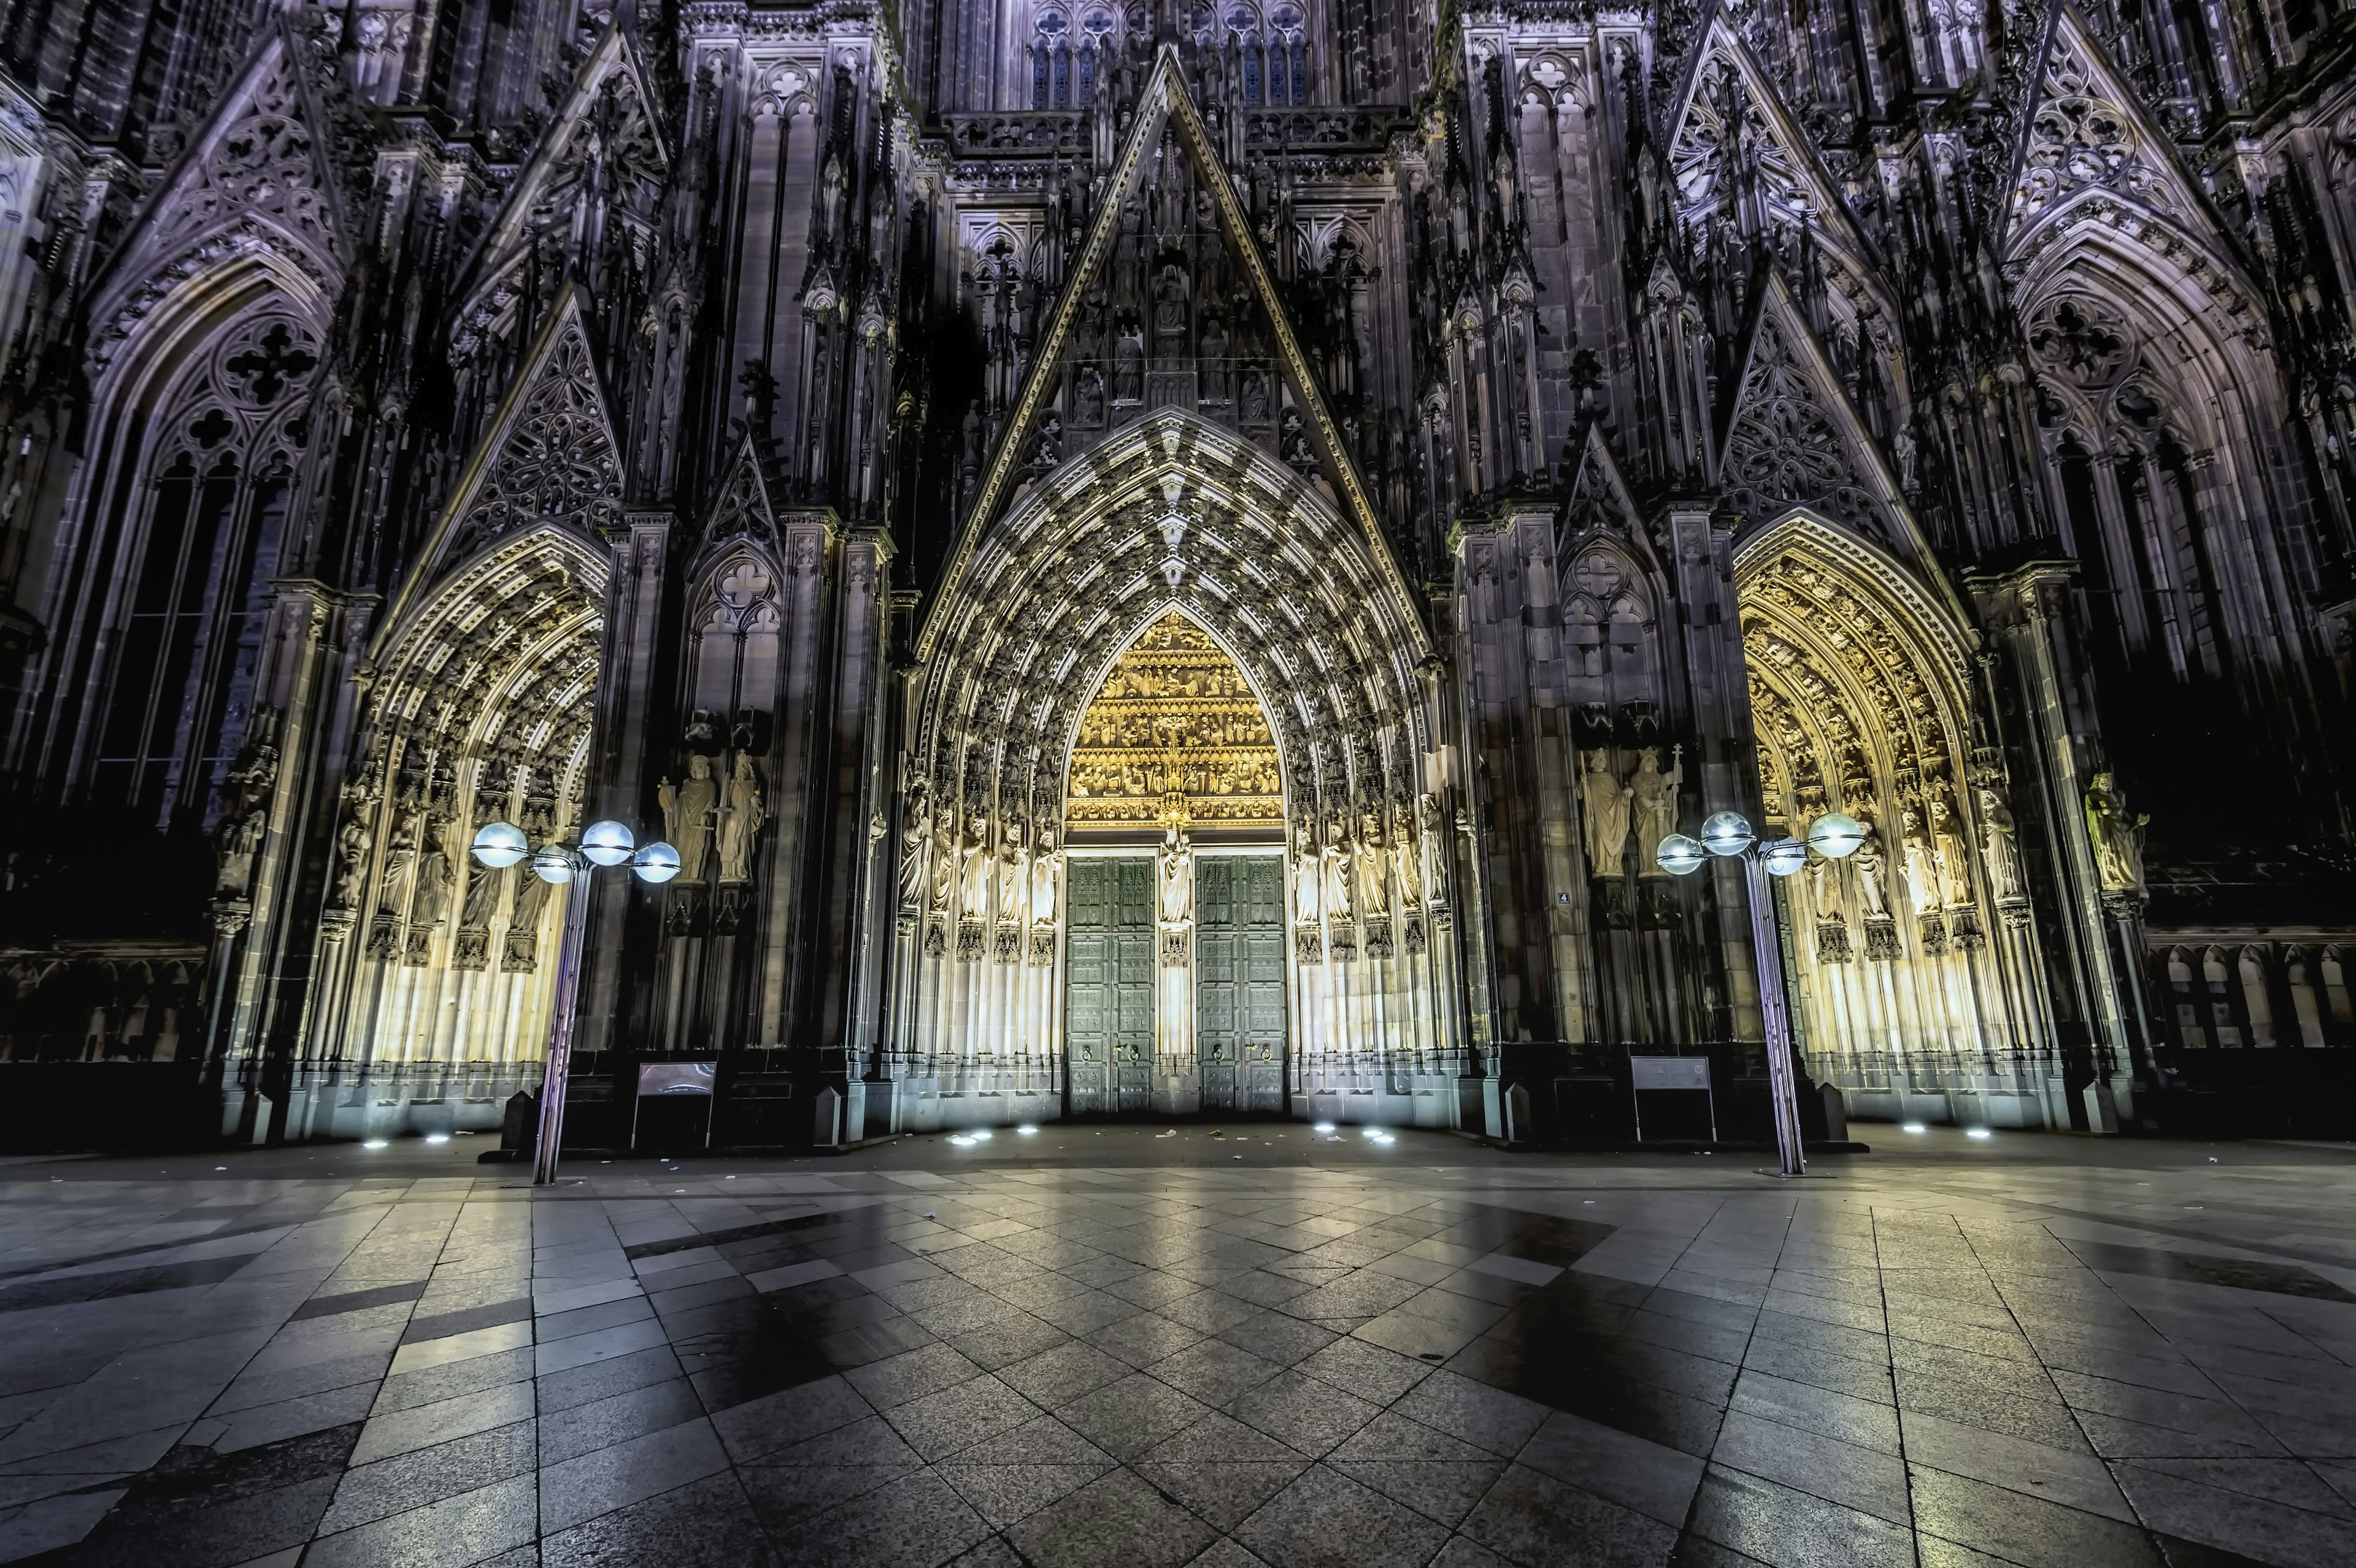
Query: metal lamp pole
(1727, 835)
(502, 844)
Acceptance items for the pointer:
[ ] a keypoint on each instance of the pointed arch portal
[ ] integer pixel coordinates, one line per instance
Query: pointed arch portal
(1049, 722)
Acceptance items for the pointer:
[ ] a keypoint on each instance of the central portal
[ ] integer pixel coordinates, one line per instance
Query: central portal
(1175, 985)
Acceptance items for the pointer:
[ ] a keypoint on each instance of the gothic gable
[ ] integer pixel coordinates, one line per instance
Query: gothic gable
(1600, 500)
(1732, 132)
(1793, 440)
(745, 509)
(596, 175)
(257, 180)
(550, 458)
(2089, 150)
(1124, 292)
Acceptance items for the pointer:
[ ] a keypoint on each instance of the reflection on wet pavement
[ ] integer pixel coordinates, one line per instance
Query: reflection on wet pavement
(2040, 1351)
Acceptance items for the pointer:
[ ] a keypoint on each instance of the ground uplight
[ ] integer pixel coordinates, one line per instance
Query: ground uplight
(1976, 1132)
(1026, 1129)
(1911, 1127)
(437, 1137)
(375, 1143)
(1322, 1127)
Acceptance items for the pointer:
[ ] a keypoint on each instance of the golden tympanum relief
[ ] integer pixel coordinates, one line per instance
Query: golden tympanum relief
(1176, 732)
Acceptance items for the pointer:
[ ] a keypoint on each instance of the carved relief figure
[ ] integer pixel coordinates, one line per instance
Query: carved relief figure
(1872, 870)
(1044, 865)
(1954, 855)
(1922, 867)
(1434, 834)
(944, 860)
(974, 877)
(1013, 874)
(352, 841)
(686, 811)
(741, 822)
(1336, 860)
(916, 852)
(2000, 846)
(1606, 802)
(1405, 858)
(2117, 837)
(399, 870)
(1655, 794)
(435, 876)
(1307, 876)
(1374, 887)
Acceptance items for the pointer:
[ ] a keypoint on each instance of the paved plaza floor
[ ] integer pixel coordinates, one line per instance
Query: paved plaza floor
(1145, 1348)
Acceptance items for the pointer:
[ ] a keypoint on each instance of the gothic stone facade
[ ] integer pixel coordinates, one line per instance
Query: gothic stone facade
(1169, 556)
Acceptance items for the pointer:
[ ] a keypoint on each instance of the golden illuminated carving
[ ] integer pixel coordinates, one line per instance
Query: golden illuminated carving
(1175, 733)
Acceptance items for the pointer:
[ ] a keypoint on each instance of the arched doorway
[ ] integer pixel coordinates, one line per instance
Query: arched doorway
(438, 973)
(1267, 582)
(1175, 837)
(1901, 954)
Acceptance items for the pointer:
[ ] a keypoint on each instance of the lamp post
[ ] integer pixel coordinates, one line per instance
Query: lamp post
(609, 843)
(1728, 835)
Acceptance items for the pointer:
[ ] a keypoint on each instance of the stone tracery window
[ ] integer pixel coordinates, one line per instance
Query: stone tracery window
(736, 639)
(200, 535)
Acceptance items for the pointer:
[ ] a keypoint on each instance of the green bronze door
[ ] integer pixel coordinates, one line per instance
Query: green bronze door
(1109, 988)
(1239, 982)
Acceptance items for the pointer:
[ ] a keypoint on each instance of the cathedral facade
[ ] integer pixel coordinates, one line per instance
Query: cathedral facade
(1171, 557)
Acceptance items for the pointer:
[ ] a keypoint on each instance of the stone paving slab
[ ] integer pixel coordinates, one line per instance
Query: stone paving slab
(1106, 1346)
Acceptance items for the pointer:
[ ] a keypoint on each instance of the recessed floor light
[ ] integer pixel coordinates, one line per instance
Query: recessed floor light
(1912, 1127)
(1976, 1133)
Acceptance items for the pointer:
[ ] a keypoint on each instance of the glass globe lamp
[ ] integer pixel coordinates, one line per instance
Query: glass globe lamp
(555, 863)
(500, 844)
(609, 843)
(1785, 857)
(1725, 833)
(1834, 835)
(1679, 855)
(656, 863)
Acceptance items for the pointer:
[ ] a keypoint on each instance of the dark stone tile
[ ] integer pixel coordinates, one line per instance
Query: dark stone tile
(1120, 1519)
(1534, 1519)
(1004, 1493)
(442, 1325)
(431, 1386)
(1793, 1530)
(705, 1524)
(1128, 1417)
(916, 1523)
(1302, 1413)
(358, 1301)
(2021, 1529)
(425, 1476)
(764, 1425)
(1443, 1490)
(590, 1319)
(951, 1420)
(1652, 1478)
(1325, 1519)
(569, 1434)
(602, 1380)
(494, 1522)
(1492, 1419)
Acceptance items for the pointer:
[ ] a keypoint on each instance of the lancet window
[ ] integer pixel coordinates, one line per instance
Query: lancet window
(200, 531)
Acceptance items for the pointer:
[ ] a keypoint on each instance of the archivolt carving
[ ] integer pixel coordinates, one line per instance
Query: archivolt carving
(1252, 554)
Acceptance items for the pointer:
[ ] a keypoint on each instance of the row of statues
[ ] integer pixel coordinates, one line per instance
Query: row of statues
(697, 812)
(943, 871)
(1643, 805)
(1341, 875)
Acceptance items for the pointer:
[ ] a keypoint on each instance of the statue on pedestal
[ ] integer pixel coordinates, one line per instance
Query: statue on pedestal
(2000, 847)
(1605, 802)
(687, 811)
(2117, 837)
(1655, 794)
(741, 822)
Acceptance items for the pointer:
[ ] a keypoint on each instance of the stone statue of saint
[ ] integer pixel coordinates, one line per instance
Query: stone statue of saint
(1044, 867)
(1824, 878)
(1404, 858)
(434, 878)
(1953, 855)
(1336, 862)
(1176, 878)
(1307, 878)
(973, 880)
(1607, 802)
(944, 860)
(741, 822)
(1433, 833)
(1872, 871)
(1655, 794)
(2000, 846)
(1013, 874)
(1374, 887)
(352, 841)
(1922, 870)
(483, 888)
(917, 853)
(399, 870)
(686, 811)
(2117, 837)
